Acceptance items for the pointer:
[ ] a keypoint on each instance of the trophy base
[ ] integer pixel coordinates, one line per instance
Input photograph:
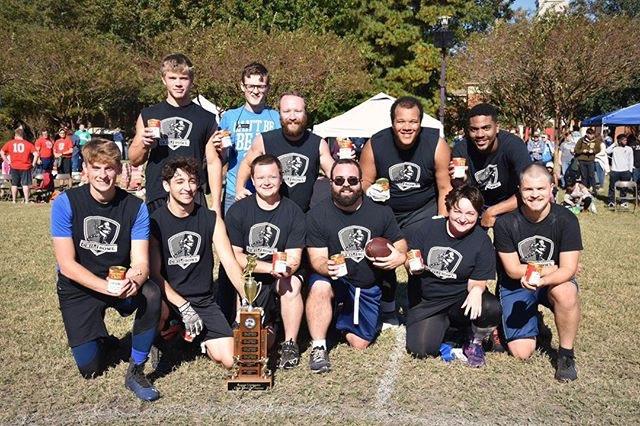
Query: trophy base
(250, 384)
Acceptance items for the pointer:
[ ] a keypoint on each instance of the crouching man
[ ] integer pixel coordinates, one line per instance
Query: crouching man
(95, 227)
(343, 225)
(184, 234)
(539, 246)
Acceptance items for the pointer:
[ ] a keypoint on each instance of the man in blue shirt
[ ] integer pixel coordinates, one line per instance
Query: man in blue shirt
(245, 123)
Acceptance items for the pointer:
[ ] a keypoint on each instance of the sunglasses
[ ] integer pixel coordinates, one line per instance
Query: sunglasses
(351, 180)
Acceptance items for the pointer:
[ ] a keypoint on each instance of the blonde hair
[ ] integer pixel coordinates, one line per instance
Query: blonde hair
(177, 62)
(103, 151)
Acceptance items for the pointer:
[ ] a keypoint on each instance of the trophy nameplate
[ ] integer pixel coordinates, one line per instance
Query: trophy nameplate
(250, 370)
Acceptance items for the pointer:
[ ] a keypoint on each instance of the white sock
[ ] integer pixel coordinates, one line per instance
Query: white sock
(388, 306)
(321, 343)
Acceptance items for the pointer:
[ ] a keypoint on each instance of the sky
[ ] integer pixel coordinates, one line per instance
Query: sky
(525, 4)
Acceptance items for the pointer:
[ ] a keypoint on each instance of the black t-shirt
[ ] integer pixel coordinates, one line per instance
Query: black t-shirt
(535, 242)
(187, 249)
(264, 232)
(349, 232)
(300, 163)
(411, 172)
(185, 132)
(496, 174)
(452, 262)
(101, 233)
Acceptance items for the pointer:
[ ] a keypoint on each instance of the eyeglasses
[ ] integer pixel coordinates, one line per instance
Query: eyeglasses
(259, 87)
(351, 180)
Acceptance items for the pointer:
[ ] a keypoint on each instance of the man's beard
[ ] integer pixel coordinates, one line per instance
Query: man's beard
(294, 128)
(346, 200)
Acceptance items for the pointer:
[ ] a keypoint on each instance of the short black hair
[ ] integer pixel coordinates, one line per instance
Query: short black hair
(346, 161)
(483, 109)
(407, 102)
(186, 164)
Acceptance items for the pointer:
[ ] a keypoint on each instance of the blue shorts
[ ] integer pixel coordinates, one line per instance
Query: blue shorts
(360, 312)
(520, 311)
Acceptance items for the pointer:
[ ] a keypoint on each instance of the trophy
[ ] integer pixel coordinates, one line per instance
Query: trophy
(250, 370)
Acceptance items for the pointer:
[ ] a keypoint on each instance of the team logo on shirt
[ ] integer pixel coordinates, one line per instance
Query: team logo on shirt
(405, 175)
(294, 168)
(100, 233)
(184, 248)
(536, 249)
(443, 262)
(263, 238)
(175, 132)
(353, 239)
(487, 178)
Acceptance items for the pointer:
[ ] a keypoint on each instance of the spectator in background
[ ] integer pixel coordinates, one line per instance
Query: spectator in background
(22, 157)
(44, 146)
(607, 138)
(565, 152)
(621, 165)
(118, 139)
(586, 150)
(633, 143)
(535, 146)
(602, 165)
(577, 195)
(62, 153)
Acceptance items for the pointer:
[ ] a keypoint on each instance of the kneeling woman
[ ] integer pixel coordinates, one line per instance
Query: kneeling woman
(459, 259)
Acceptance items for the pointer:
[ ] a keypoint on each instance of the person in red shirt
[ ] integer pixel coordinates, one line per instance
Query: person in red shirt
(21, 156)
(44, 146)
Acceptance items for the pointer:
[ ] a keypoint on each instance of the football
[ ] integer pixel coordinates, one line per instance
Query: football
(377, 247)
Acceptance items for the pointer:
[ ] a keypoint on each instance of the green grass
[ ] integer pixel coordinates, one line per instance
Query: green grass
(40, 383)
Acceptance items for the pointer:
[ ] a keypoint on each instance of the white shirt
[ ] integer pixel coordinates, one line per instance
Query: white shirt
(621, 158)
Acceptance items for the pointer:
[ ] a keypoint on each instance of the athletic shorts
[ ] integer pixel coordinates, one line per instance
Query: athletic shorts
(215, 324)
(83, 310)
(20, 177)
(47, 163)
(358, 309)
(520, 311)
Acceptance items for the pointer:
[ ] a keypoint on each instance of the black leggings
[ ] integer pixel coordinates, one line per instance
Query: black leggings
(424, 337)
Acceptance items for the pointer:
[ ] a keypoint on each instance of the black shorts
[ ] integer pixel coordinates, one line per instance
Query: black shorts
(215, 324)
(20, 177)
(64, 167)
(83, 310)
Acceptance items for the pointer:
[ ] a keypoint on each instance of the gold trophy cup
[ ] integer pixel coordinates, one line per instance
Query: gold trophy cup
(250, 370)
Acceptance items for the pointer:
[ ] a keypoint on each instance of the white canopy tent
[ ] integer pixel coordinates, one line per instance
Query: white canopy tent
(366, 119)
(208, 105)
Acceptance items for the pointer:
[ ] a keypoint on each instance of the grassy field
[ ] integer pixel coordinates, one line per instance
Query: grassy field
(39, 382)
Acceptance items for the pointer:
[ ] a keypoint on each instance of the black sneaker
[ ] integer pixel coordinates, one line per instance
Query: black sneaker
(319, 360)
(138, 383)
(160, 361)
(566, 369)
(289, 355)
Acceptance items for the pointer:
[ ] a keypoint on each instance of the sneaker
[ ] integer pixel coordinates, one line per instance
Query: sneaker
(611, 205)
(474, 353)
(319, 360)
(592, 208)
(496, 342)
(138, 383)
(566, 369)
(289, 355)
(624, 205)
(390, 320)
(160, 361)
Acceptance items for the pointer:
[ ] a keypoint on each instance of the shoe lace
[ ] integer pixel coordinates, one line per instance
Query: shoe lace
(318, 354)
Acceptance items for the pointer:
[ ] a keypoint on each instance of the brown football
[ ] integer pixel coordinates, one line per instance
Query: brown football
(377, 247)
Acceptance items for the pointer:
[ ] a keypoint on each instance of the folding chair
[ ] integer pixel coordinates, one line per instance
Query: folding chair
(629, 187)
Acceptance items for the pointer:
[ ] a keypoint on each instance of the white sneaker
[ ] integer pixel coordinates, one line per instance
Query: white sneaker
(624, 205)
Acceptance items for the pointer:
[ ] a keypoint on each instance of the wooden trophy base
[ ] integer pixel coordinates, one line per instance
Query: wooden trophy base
(250, 371)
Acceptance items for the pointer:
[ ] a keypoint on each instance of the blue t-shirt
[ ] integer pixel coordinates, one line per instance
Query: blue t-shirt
(244, 125)
(62, 220)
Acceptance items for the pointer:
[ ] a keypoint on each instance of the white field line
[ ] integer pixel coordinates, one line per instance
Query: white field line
(388, 381)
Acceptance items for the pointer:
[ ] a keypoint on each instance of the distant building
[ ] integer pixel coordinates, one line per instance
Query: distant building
(557, 6)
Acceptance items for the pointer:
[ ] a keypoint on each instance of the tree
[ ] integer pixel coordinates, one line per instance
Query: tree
(552, 65)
